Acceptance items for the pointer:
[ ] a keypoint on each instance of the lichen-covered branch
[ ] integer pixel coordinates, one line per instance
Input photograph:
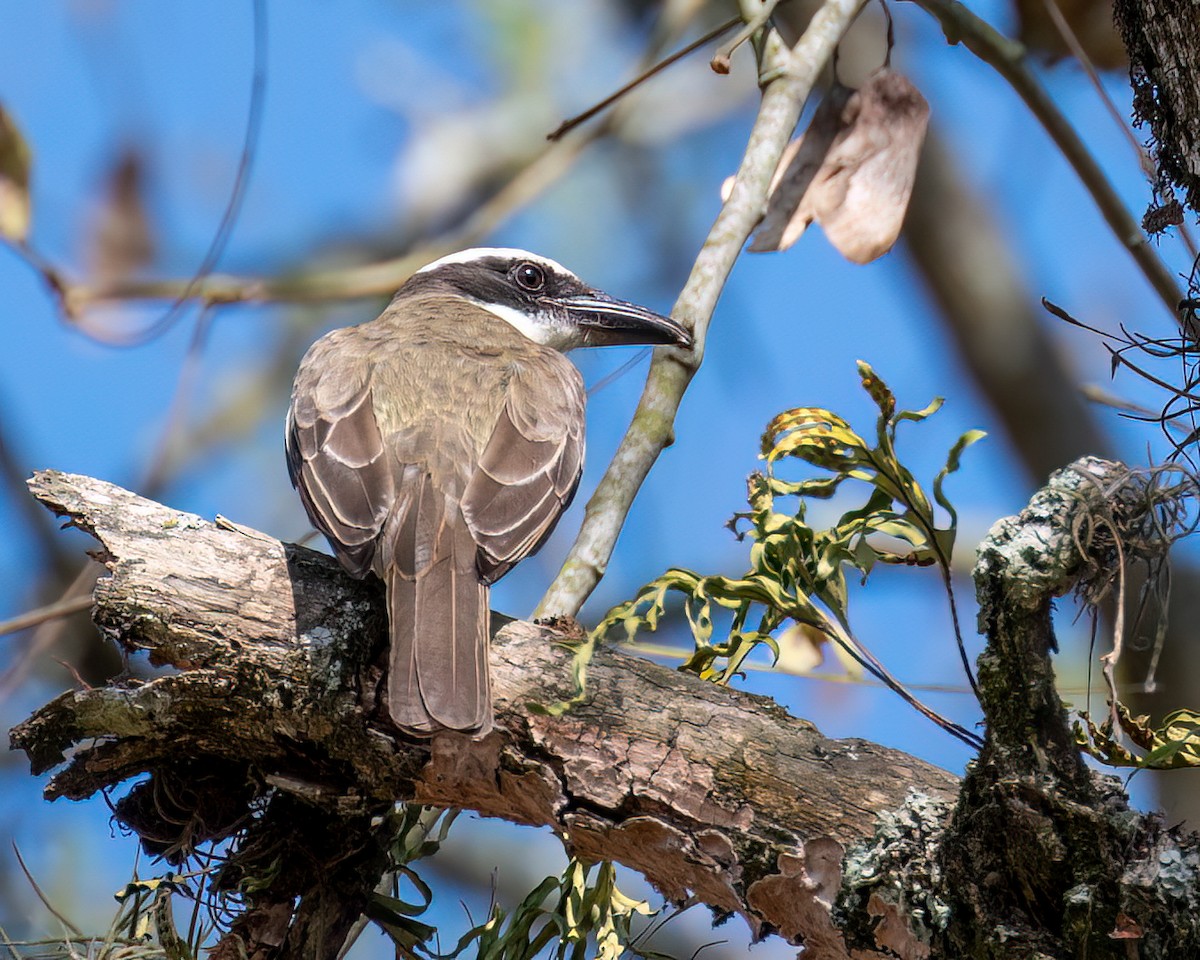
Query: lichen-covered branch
(1042, 857)
(789, 77)
(712, 794)
(269, 732)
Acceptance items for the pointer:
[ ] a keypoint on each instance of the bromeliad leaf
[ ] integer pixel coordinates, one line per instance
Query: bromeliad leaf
(1173, 744)
(952, 459)
(797, 573)
(586, 909)
(813, 434)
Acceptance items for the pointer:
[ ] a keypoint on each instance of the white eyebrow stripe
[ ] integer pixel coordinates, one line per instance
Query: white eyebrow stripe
(506, 253)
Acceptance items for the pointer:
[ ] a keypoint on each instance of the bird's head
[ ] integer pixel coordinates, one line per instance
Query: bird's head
(542, 299)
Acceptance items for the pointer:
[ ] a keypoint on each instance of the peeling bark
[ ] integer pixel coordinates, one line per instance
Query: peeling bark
(712, 794)
(271, 733)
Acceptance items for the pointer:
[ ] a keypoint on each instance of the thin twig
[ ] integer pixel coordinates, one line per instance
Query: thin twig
(1096, 394)
(1080, 54)
(568, 125)
(1008, 58)
(792, 76)
(1111, 658)
(721, 59)
(615, 375)
(75, 931)
(258, 89)
(838, 632)
(80, 683)
(542, 171)
(667, 652)
(49, 631)
(51, 611)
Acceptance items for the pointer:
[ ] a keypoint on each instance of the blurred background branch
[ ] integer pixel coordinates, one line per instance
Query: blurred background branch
(1010, 59)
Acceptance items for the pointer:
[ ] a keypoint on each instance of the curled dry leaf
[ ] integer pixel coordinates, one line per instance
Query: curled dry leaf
(14, 180)
(852, 171)
(1126, 928)
(119, 241)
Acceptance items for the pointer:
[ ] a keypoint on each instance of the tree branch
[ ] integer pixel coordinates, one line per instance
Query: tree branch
(712, 794)
(271, 734)
(1008, 58)
(544, 168)
(1039, 846)
(790, 76)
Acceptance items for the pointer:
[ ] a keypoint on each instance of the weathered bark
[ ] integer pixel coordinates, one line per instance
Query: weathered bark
(1043, 858)
(711, 793)
(1163, 41)
(271, 733)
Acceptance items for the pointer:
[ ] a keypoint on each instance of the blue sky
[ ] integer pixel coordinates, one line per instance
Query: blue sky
(360, 95)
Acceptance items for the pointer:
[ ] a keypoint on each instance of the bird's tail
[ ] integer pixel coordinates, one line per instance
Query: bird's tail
(439, 620)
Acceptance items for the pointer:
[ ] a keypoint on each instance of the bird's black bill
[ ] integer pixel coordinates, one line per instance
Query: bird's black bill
(606, 321)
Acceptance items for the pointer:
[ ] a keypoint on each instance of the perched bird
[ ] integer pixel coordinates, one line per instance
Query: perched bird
(437, 446)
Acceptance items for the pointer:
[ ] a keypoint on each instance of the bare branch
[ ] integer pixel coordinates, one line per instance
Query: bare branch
(597, 108)
(344, 283)
(790, 76)
(709, 792)
(51, 611)
(1009, 60)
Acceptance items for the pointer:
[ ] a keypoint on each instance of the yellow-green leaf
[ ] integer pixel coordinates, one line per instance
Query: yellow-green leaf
(14, 180)
(876, 389)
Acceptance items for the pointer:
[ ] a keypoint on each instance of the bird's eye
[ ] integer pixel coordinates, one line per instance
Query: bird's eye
(530, 276)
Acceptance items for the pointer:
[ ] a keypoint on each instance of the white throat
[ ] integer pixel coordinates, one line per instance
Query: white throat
(546, 330)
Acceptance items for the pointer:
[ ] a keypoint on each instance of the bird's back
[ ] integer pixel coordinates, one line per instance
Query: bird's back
(437, 446)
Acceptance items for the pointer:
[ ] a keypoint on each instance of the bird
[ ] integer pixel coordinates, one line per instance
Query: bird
(437, 446)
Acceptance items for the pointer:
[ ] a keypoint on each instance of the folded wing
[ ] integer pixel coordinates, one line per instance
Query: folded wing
(337, 461)
(530, 467)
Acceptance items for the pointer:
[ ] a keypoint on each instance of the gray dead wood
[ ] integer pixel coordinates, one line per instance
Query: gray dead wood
(712, 794)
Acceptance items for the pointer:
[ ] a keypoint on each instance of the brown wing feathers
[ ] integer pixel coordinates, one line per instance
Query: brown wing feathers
(377, 484)
(528, 472)
(337, 460)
